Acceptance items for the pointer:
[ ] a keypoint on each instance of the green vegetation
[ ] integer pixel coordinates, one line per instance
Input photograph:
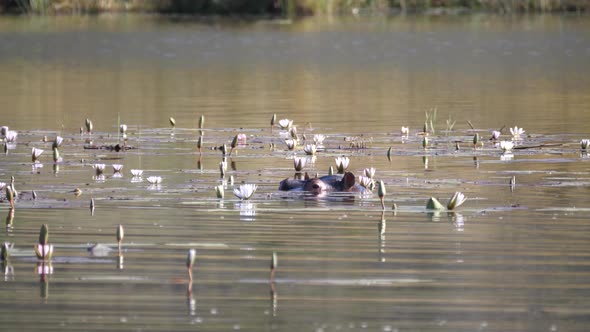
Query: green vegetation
(289, 7)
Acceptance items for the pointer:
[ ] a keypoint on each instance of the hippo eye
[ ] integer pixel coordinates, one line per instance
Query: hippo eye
(316, 186)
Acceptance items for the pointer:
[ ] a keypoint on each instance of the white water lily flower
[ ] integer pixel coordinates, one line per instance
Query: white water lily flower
(342, 163)
(310, 149)
(318, 139)
(299, 163)
(35, 153)
(585, 143)
(506, 146)
(44, 251)
(154, 179)
(457, 199)
(11, 136)
(117, 168)
(245, 191)
(366, 182)
(495, 135)
(123, 129)
(137, 172)
(285, 123)
(99, 168)
(291, 143)
(516, 132)
(405, 131)
(370, 172)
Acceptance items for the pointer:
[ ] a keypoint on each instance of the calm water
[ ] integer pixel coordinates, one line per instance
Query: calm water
(505, 261)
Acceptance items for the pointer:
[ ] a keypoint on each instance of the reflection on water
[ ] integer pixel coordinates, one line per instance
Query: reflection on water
(510, 258)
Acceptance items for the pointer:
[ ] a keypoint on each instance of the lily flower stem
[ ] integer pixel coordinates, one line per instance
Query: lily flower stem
(190, 274)
(119, 248)
(383, 203)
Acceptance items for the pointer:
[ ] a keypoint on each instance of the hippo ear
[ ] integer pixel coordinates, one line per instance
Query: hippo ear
(347, 181)
(306, 176)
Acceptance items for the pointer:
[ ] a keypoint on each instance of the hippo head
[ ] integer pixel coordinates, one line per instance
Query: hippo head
(318, 186)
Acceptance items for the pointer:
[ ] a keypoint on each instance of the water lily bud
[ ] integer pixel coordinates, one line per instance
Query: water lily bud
(5, 252)
(55, 155)
(89, 125)
(219, 191)
(389, 154)
(44, 234)
(234, 142)
(224, 149)
(191, 258)
(425, 142)
(201, 121)
(382, 190)
(172, 122)
(475, 139)
(434, 204)
(331, 171)
(274, 262)
(120, 233)
(425, 128)
(273, 119)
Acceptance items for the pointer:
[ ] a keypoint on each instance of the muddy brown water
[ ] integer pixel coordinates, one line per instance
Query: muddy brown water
(504, 261)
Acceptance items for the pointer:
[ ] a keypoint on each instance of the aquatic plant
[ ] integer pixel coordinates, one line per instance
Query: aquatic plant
(430, 120)
(584, 144)
(291, 143)
(310, 149)
(219, 191)
(172, 122)
(56, 155)
(120, 236)
(456, 200)
(200, 144)
(495, 135)
(342, 164)
(425, 142)
(43, 249)
(92, 206)
(382, 193)
(516, 132)
(89, 125)
(190, 262)
(10, 136)
(274, 264)
(370, 172)
(154, 179)
(285, 123)
(475, 140)
(405, 131)
(223, 168)
(366, 182)
(273, 120)
(506, 146)
(201, 121)
(57, 142)
(318, 139)
(245, 191)
(434, 204)
(98, 168)
(136, 172)
(36, 153)
(5, 250)
(299, 163)
(117, 168)
(10, 195)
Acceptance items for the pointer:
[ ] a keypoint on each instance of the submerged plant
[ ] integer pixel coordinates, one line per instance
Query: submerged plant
(456, 200)
(245, 191)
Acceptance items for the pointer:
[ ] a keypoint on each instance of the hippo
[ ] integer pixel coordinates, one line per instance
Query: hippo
(322, 185)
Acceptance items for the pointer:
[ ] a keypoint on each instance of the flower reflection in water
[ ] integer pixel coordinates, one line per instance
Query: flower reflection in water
(247, 210)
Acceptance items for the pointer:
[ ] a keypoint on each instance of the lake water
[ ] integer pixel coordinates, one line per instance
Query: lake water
(504, 261)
